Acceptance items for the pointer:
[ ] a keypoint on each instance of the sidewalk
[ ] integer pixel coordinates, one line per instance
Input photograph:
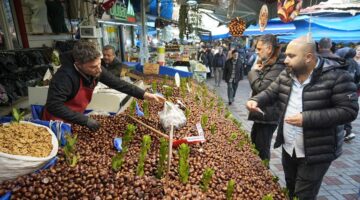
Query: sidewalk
(341, 182)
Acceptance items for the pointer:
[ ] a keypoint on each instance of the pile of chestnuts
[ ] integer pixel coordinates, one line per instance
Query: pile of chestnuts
(227, 151)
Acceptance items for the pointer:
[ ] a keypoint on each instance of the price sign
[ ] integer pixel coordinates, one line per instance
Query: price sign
(150, 68)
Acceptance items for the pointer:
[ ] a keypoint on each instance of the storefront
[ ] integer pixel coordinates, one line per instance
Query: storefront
(26, 40)
(118, 28)
(9, 33)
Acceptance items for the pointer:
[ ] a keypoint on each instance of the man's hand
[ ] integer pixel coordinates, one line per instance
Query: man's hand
(92, 124)
(154, 97)
(295, 120)
(252, 106)
(258, 66)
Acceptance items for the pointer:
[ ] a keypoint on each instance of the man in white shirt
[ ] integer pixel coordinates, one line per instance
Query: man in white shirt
(316, 96)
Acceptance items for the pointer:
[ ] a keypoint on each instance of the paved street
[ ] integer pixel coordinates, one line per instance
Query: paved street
(342, 181)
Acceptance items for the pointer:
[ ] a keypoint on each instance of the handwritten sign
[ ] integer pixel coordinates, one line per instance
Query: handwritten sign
(150, 68)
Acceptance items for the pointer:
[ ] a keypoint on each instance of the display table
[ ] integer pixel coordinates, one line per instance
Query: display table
(103, 99)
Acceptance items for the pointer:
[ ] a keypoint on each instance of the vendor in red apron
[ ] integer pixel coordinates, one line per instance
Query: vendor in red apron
(72, 86)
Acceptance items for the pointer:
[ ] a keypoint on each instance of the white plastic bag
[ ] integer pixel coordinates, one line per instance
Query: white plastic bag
(12, 166)
(172, 115)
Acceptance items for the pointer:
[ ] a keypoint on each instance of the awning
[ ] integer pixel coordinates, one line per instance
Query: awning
(340, 29)
(166, 8)
(215, 37)
(333, 6)
(275, 28)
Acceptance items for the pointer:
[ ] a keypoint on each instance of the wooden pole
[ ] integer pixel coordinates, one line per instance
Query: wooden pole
(149, 127)
(170, 148)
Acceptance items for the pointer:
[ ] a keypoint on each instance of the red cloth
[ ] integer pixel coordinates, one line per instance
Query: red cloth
(77, 104)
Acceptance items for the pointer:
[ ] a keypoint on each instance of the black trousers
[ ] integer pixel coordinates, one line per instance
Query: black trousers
(261, 135)
(303, 180)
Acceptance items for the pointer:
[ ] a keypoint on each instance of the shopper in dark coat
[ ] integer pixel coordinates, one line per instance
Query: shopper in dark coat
(210, 57)
(324, 46)
(353, 68)
(233, 73)
(316, 96)
(269, 65)
(219, 64)
(110, 61)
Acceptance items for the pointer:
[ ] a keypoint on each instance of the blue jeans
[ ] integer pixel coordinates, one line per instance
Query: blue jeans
(231, 90)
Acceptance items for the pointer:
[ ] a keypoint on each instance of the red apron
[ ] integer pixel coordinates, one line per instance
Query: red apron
(77, 104)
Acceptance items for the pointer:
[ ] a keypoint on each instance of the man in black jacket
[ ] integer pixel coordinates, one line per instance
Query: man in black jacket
(72, 86)
(316, 97)
(218, 65)
(269, 65)
(210, 57)
(324, 46)
(110, 61)
(233, 73)
(348, 55)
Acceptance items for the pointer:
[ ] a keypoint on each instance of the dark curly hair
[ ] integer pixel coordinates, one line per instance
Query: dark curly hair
(85, 51)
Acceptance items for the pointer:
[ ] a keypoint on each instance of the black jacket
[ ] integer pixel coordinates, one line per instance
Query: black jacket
(327, 54)
(203, 58)
(353, 68)
(219, 60)
(66, 83)
(210, 58)
(259, 81)
(114, 67)
(251, 60)
(239, 71)
(329, 101)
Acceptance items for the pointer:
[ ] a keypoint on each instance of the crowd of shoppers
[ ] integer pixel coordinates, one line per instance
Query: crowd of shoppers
(308, 91)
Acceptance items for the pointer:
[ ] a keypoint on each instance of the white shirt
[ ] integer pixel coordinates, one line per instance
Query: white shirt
(293, 135)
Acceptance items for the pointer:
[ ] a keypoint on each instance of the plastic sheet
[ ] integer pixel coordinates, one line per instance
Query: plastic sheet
(172, 115)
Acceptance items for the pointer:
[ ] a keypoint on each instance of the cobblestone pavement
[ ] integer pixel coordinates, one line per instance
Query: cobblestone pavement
(342, 181)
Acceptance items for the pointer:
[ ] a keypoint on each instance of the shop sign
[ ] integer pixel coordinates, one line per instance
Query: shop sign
(130, 13)
(122, 12)
(119, 11)
(111, 29)
(172, 47)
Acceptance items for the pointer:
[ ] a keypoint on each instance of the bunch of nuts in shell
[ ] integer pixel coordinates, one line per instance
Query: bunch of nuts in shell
(93, 177)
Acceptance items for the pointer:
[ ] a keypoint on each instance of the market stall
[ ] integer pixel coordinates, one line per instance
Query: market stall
(138, 155)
